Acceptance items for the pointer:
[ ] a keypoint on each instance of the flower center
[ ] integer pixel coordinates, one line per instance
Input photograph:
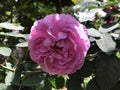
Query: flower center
(56, 48)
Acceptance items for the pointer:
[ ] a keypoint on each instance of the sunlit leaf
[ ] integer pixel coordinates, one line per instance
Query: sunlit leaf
(116, 34)
(118, 54)
(98, 11)
(11, 26)
(76, 1)
(23, 44)
(5, 87)
(84, 16)
(108, 27)
(106, 43)
(9, 77)
(17, 35)
(5, 51)
(93, 32)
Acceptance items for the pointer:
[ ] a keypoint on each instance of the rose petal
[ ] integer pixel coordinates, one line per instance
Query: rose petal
(61, 35)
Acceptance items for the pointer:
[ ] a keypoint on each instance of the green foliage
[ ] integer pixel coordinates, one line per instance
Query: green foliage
(101, 70)
(74, 84)
(107, 71)
(59, 82)
(92, 85)
(32, 81)
(76, 1)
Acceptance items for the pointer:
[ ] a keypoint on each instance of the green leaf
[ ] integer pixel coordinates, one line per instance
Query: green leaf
(11, 26)
(5, 87)
(92, 85)
(16, 77)
(108, 27)
(107, 71)
(47, 85)
(116, 87)
(60, 82)
(23, 44)
(118, 54)
(85, 71)
(106, 43)
(1, 77)
(32, 81)
(5, 51)
(76, 1)
(74, 84)
(39, 87)
(52, 82)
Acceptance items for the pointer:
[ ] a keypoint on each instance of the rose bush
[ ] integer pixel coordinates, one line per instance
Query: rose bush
(58, 43)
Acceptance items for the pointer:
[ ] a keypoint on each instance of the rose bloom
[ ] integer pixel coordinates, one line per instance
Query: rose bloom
(58, 43)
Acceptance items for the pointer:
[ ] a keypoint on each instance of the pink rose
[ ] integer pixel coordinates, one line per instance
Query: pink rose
(58, 43)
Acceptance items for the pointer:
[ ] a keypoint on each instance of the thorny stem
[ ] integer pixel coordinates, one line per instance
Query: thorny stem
(32, 72)
(10, 69)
